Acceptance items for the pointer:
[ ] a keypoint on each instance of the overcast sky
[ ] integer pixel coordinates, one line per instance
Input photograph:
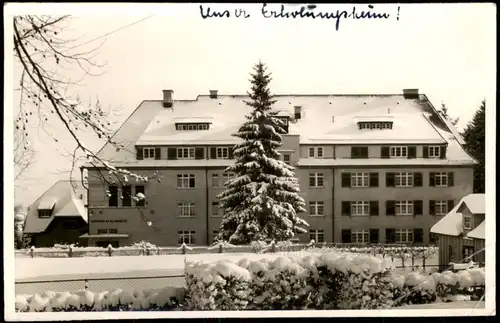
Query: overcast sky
(446, 51)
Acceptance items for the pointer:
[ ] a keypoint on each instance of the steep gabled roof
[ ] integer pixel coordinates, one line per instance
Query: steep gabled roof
(63, 198)
(479, 232)
(451, 224)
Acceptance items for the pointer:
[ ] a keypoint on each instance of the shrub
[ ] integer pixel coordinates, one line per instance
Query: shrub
(118, 300)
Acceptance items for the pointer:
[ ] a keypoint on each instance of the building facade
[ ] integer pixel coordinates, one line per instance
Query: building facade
(371, 168)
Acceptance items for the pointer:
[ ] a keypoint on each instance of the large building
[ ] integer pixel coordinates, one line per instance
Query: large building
(371, 168)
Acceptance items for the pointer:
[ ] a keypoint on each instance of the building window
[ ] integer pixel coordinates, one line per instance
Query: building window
(317, 235)
(359, 152)
(360, 236)
(360, 179)
(441, 179)
(222, 152)
(286, 159)
(113, 195)
(467, 222)
(107, 231)
(216, 209)
(44, 213)
(360, 208)
(404, 208)
(140, 195)
(364, 126)
(203, 126)
(185, 153)
(316, 152)
(404, 235)
(404, 179)
(215, 180)
(434, 151)
(228, 176)
(399, 151)
(316, 208)
(186, 209)
(126, 195)
(148, 153)
(316, 180)
(187, 237)
(441, 207)
(185, 181)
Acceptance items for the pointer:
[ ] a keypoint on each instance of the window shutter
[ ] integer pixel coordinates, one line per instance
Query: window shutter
(432, 179)
(192, 182)
(364, 152)
(373, 207)
(157, 153)
(213, 153)
(390, 180)
(354, 152)
(417, 207)
(418, 235)
(139, 155)
(451, 205)
(172, 153)
(390, 235)
(199, 153)
(442, 151)
(412, 152)
(385, 153)
(230, 153)
(450, 179)
(346, 236)
(426, 151)
(374, 236)
(373, 179)
(417, 179)
(432, 207)
(346, 208)
(346, 179)
(390, 207)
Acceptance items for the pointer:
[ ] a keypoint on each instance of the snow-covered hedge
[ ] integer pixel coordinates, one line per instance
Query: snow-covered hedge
(419, 288)
(321, 281)
(164, 299)
(311, 282)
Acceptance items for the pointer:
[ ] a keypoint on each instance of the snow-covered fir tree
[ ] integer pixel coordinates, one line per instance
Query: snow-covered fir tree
(262, 201)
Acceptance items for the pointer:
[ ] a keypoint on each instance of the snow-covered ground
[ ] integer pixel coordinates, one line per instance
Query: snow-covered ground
(134, 266)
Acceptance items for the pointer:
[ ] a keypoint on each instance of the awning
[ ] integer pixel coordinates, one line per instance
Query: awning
(105, 236)
(47, 203)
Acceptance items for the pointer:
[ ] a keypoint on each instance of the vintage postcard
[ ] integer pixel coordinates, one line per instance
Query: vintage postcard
(249, 160)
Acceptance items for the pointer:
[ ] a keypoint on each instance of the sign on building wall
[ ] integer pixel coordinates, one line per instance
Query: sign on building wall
(108, 221)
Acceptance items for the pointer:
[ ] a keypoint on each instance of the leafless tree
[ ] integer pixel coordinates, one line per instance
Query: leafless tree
(46, 58)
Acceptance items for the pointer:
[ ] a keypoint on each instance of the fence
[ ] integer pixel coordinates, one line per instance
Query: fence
(97, 285)
(184, 249)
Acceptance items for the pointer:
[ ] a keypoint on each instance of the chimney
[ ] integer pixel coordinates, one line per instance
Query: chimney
(168, 102)
(333, 119)
(410, 93)
(298, 112)
(213, 94)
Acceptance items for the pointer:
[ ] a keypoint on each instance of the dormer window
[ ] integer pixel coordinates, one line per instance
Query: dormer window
(375, 125)
(44, 213)
(192, 126)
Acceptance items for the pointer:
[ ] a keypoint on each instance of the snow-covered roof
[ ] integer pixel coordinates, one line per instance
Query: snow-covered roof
(387, 118)
(47, 203)
(152, 124)
(476, 203)
(105, 235)
(478, 232)
(451, 224)
(64, 198)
